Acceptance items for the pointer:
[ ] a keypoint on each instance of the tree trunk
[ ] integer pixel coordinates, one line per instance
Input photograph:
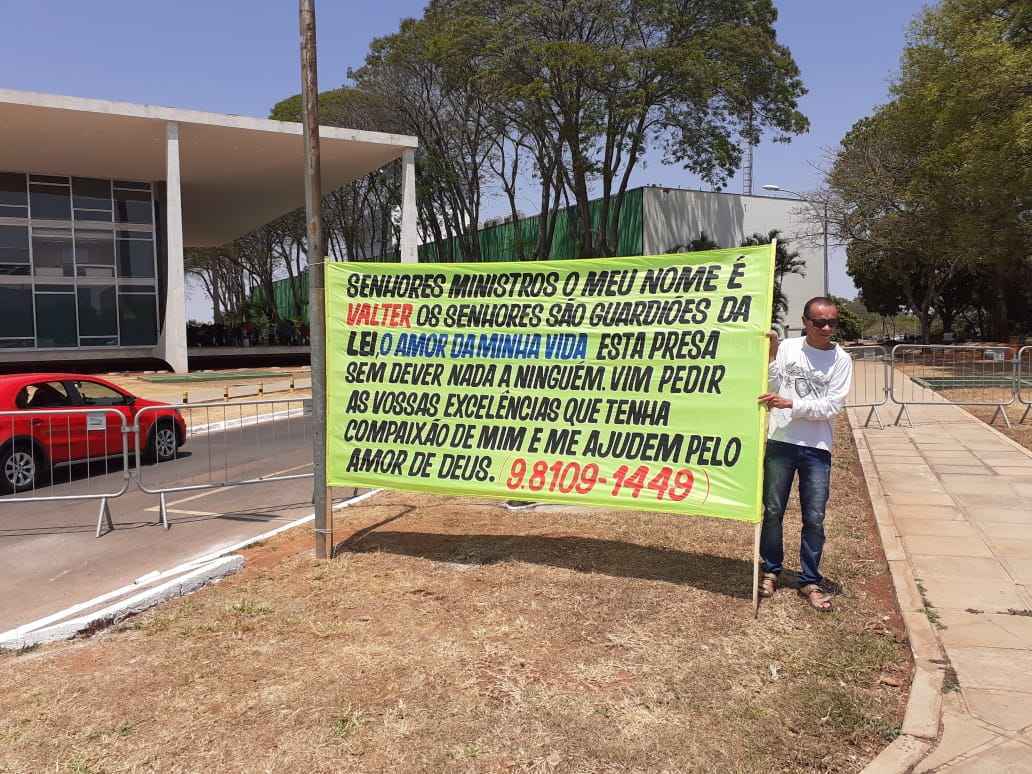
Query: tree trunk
(925, 316)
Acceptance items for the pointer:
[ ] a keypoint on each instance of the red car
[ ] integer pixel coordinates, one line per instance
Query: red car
(33, 440)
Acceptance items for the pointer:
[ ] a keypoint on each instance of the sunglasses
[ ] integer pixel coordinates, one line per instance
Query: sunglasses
(824, 322)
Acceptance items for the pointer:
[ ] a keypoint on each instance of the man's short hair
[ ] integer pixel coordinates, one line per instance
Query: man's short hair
(822, 300)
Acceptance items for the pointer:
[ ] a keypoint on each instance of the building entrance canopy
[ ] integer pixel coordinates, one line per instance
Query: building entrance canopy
(98, 200)
(236, 172)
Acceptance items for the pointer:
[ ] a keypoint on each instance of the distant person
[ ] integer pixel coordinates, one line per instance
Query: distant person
(809, 379)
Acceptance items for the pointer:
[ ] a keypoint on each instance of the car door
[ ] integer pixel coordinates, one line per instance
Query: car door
(104, 430)
(62, 436)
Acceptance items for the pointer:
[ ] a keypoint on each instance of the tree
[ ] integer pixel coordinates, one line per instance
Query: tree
(936, 185)
(850, 327)
(696, 245)
(785, 262)
(602, 80)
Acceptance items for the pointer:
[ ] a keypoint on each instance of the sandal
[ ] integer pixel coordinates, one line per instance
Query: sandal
(768, 584)
(816, 598)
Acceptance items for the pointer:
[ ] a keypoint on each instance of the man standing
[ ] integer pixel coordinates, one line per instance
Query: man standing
(809, 381)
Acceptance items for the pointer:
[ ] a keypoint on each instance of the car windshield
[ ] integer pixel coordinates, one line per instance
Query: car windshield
(94, 394)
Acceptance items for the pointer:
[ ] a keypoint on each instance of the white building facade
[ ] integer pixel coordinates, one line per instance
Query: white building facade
(98, 200)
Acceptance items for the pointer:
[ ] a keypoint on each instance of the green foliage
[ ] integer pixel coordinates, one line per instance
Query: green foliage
(703, 242)
(851, 325)
(936, 186)
(785, 262)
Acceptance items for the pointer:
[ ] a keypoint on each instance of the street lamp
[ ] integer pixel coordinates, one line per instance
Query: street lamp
(824, 217)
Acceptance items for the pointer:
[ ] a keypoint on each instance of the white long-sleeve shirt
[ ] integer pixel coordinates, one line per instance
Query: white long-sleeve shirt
(817, 382)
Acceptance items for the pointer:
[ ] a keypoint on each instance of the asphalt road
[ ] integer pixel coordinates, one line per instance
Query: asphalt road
(51, 559)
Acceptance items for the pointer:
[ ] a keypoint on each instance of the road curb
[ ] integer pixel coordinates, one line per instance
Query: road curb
(177, 587)
(923, 716)
(185, 578)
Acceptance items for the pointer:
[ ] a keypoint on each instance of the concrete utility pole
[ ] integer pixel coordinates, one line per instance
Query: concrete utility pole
(316, 281)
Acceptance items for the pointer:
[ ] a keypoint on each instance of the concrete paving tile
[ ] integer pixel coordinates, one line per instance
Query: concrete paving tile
(1018, 473)
(936, 527)
(935, 545)
(1005, 709)
(1000, 495)
(936, 512)
(970, 568)
(912, 470)
(1021, 571)
(973, 485)
(1002, 669)
(918, 498)
(962, 629)
(1011, 548)
(1010, 757)
(1013, 514)
(1018, 625)
(961, 470)
(1012, 459)
(993, 596)
(1010, 531)
(961, 734)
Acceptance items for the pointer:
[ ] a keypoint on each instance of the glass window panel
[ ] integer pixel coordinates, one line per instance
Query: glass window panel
(133, 207)
(98, 341)
(14, 200)
(94, 394)
(95, 249)
(97, 311)
(44, 395)
(135, 257)
(51, 202)
(93, 216)
(138, 319)
(123, 288)
(62, 288)
(16, 343)
(55, 320)
(52, 252)
(59, 179)
(132, 184)
(14, 244)
(91, 194)
(16, 301)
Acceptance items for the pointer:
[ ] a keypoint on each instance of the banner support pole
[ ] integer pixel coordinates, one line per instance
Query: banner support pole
(756, 571)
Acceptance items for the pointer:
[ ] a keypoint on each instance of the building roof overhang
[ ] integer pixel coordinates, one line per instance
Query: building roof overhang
(236, 172)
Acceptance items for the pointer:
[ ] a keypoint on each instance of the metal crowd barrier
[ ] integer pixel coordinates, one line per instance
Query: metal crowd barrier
(43, 447)
(871, 373)
(233, 441)
(1023, 391)
(970, 375)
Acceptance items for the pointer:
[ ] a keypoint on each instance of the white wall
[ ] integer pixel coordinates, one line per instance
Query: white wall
(675, 216)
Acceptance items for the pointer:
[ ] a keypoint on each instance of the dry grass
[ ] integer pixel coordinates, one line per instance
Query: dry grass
(452, 635)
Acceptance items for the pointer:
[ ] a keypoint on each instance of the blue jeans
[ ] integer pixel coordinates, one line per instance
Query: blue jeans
(780, 465)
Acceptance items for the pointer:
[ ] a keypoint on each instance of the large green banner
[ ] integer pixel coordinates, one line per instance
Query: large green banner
(618, 382)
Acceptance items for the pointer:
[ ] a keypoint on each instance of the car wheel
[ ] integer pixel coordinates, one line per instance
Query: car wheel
(163, 443)
(19, 469)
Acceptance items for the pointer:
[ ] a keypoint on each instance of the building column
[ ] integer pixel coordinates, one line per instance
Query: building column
(172, 343)
(409, 235)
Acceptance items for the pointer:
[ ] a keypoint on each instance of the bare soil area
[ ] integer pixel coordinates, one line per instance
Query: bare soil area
(450, 634)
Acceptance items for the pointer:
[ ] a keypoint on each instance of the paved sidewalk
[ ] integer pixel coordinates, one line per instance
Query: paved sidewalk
(959, 502)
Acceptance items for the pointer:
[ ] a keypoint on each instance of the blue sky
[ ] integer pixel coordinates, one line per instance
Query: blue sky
(241, 56)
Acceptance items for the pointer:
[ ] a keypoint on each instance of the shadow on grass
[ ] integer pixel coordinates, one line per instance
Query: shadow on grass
(717, 574)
